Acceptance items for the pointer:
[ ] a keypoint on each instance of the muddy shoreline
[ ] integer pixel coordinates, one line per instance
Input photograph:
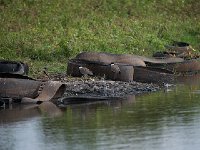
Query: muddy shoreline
(99, 87)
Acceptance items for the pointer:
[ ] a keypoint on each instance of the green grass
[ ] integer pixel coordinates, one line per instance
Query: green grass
(49, 32)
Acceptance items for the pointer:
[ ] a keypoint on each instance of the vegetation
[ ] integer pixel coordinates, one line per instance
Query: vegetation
(49, 32)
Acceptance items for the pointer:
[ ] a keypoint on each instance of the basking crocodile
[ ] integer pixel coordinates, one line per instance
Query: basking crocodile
(133, 60)
(134, 67)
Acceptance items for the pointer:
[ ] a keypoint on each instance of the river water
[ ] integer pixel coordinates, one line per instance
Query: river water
(168, 119)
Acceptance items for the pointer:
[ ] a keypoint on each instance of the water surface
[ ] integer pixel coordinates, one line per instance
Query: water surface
(168, 119)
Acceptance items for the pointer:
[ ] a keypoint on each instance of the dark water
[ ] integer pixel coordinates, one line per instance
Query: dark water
(166, 120)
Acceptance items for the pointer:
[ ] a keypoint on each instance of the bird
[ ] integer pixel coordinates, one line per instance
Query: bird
(45, 71)
(85, 71)
(115, 68)
(167, 86)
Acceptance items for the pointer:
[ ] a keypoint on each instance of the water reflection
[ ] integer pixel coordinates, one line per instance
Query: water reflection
(17, 112)
(189, 80)
(161, 120)
(154, 121)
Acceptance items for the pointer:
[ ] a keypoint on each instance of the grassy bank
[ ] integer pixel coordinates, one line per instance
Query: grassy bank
(48, 32)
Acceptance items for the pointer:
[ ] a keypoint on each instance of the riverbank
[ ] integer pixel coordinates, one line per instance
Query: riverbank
(48, 33)
(99, 87)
